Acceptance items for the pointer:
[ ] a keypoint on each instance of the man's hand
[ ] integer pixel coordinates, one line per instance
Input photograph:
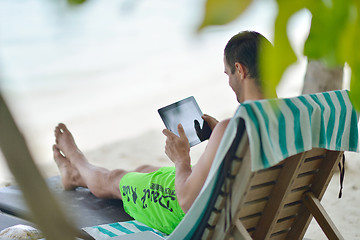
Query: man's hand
(202, 133)
(177, 148)
(210, 121)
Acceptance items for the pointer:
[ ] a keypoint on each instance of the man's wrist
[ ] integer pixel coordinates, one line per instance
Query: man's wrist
(183, 163)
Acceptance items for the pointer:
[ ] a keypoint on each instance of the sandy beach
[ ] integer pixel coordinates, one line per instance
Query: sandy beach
(105, 77)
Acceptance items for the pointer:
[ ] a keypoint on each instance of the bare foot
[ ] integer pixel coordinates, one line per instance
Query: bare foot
(69, 175)
(76, 171)
(66, 144)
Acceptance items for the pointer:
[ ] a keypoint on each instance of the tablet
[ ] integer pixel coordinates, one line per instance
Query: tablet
(188, 113)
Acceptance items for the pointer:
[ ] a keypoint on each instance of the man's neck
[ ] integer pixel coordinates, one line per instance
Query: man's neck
(252, 91)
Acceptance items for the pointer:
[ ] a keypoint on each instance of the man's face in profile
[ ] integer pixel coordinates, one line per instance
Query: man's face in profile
(234, 82)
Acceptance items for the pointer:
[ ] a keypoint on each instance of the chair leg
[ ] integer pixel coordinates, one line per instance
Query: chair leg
(316, 209)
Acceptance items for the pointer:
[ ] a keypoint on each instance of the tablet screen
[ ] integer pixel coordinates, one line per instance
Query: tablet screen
(185, 111)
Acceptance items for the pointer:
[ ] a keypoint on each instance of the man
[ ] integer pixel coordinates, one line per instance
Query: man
(160, 197)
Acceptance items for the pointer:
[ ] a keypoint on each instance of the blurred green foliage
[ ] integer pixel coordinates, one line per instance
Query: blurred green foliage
(75, 2)
(221, 12)
(334, 36)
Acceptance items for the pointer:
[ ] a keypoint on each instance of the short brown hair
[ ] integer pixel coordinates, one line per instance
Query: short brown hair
(244, 48)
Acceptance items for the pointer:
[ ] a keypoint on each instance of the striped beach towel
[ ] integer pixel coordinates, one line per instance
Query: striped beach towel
(280, 128)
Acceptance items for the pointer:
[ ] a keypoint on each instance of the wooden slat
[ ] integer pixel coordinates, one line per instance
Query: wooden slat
(303, 181)
(279, 236)
(294, 196)
(315, 152)
(214, 218)
(283, 225)
(252, 208)
(259, 193)
(220, 202)
(208, 233)
(235, 166)
(269, 175)
(311, 165)
(290, 210)
(242, 147)
(250, 222)
(226, 187)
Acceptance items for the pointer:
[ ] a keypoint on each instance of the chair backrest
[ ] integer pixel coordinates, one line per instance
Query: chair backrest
(264, 182)
(268, 204)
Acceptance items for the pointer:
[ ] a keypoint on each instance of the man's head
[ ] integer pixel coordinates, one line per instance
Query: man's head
(241, 59)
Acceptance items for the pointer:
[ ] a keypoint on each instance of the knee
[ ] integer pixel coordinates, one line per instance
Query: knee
(142, 168)
(115, 176)
(109, 185)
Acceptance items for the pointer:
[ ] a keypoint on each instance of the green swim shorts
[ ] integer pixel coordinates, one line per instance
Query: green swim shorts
(151, 199)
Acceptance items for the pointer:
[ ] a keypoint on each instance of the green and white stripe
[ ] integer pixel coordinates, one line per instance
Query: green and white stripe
(107, 231)
(279, 128)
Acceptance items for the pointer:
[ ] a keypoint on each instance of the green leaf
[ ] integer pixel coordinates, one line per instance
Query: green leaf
(355, 87)
(351, 53)
(327, 27)
(220, 12)
(347, 42)
(273, 62)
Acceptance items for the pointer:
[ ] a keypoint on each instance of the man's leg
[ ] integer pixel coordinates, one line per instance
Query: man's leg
(76, 171)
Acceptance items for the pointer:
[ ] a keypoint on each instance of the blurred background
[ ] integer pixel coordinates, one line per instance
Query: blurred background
(105, 67)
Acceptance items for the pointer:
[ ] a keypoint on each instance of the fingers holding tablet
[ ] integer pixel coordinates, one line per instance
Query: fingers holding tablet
(187, 113)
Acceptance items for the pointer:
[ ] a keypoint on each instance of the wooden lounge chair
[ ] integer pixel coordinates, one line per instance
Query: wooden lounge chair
(277, 202)
(263, 191)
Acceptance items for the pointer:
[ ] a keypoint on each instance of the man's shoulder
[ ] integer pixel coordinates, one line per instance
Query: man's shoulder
(223, 124)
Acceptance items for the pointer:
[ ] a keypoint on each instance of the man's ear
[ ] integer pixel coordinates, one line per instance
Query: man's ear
(241, 70)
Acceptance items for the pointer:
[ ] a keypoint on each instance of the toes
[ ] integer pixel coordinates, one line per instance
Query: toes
(57, 153)
(62, 127)
(57, 131)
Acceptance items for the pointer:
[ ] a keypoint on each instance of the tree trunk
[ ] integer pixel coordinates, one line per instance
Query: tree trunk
(319, 78)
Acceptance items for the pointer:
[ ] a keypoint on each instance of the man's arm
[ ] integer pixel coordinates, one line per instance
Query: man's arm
(189, 181)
